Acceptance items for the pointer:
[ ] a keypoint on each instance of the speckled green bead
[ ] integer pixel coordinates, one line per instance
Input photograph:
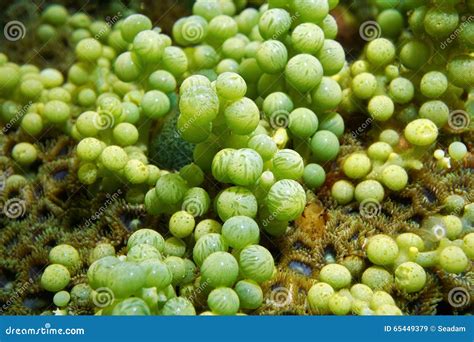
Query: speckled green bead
(24, 153)
(205, 227)
(452, 259)
(379, 151)
(369, 189)
(380, 52)
(335, 275)
(56, 111)
(65, 255)
(339, 304)
(114, 158)
(436, 111)
(410, 277)
(377, 278)
(382, 250)
(357, 165)
(136, 172)
(342, 191)
(394, 177)
(381, 108)
(318, 297)
(181, 224)
(421, 132)
(101, 251)
(55, 278)
(89, 149)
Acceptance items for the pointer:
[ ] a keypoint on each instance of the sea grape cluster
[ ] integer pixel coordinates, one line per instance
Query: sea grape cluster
(227, 131)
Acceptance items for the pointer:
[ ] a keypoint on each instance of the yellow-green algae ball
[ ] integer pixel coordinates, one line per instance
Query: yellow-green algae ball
(65, 255)
(382, 249)
(335, 275)
(452, 259)
(421, 132)
(339, 304)
(410, 277)
(55, 278)
(318, 297)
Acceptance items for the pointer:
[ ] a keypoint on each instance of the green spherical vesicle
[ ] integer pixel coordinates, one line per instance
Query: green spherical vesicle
(220, 269)
(178, 306)
(223, 301)
(240, 231)
(250, 294)
(55, 278)
(256, 263)
(286, 200)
